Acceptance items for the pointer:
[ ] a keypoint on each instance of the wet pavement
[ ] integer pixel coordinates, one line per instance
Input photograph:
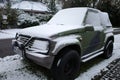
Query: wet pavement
(5, 47)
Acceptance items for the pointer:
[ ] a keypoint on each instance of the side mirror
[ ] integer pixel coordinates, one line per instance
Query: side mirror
(89, 28)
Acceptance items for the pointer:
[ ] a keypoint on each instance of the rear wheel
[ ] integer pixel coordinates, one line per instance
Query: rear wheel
(66, 67)
(108, 49)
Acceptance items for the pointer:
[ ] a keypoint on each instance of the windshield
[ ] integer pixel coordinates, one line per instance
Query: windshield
(72, 16)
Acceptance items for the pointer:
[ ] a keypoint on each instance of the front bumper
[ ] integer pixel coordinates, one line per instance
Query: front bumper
(40, 59)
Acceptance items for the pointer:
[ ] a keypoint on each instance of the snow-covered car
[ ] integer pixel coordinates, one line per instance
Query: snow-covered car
(72, 36)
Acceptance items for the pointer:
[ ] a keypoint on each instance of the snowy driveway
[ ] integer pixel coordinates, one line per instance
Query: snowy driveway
(14, 68)
(5, 41)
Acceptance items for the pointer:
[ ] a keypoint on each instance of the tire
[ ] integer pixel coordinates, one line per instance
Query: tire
(108, 49)
(66, 67)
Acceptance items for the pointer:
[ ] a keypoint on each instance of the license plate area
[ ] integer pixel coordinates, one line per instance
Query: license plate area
(18, 51)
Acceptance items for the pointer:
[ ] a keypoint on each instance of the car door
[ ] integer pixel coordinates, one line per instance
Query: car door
(92, 39)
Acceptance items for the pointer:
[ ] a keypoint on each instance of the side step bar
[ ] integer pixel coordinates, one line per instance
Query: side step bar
(91, 57)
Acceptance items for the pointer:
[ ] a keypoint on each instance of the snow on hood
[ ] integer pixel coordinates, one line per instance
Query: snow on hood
(47, 30)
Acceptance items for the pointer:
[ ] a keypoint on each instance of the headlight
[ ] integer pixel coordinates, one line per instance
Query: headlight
(40, 46)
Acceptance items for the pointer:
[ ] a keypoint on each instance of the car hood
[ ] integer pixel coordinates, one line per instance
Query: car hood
(47, 30)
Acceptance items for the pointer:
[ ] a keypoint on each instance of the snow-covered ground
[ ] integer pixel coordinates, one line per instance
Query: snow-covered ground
(14, 67)
(8, 33)
(90, 73)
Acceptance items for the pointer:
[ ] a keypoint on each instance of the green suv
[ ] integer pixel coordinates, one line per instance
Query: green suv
(72, 36)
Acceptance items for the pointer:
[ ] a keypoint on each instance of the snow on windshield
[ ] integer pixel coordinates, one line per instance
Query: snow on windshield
(73, 16)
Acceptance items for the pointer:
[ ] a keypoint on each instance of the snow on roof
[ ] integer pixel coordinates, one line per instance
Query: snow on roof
(1, 5)
(30, 5)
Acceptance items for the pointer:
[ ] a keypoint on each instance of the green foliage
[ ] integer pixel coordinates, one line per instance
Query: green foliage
(79, 3)
(27, 20)
(12, 18)
(52, 6)
(43, 17)
(28, 23)
(2, 21)
(0, 15)
(0, 18)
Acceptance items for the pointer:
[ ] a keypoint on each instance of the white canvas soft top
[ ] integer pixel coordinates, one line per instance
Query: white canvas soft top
(105, 19)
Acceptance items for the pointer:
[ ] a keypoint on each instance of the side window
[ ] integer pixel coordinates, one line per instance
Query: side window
(105, 19)
(93, 18)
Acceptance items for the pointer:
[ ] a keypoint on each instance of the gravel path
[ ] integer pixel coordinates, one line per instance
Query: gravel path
(114, 68)
(113, 73)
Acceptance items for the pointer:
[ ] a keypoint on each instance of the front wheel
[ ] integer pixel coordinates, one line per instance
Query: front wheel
(66, 67)
(108, 49)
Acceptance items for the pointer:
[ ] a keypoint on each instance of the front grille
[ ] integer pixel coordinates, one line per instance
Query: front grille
(30, 44)
(23, 39)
